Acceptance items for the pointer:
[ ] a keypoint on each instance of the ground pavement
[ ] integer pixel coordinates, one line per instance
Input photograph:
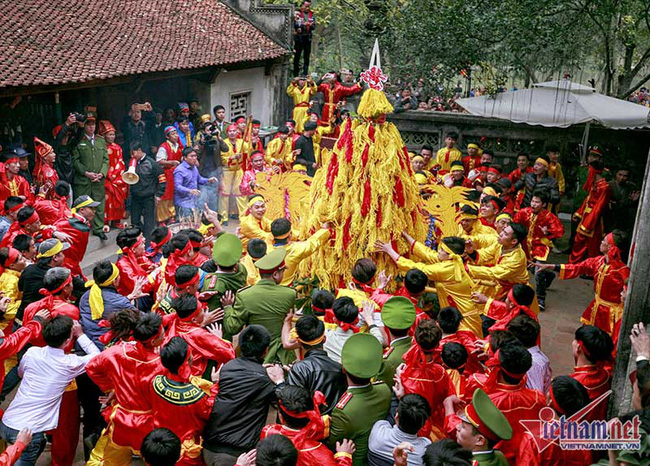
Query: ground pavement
(565, 302)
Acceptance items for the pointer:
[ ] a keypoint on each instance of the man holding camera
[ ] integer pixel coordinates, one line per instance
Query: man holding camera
(209, 147)
(90, 161)
(303, 26)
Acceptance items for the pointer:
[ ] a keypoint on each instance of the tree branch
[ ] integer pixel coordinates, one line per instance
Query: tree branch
(632, 88)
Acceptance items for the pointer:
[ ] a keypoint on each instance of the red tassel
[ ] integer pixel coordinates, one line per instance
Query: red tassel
(346, 233)
(405, 157)
(348, 151)
(398, 194)
(332, 171)
(364, 156)
(365, 206)
(379, 213)
(371, 133)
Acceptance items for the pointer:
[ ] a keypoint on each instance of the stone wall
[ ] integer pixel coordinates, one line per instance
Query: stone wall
(274, 20)
(506, 139)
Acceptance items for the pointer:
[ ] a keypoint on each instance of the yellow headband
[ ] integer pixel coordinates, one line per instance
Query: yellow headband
(417, 157)
(473, 146)
(95, 298)
(52, 252)
(466, 216)
(490, 191)
(459, 270)
(256, 198)
(203, 229)
(503, 215)
(294, 335)
(83, 204)
(542, 161)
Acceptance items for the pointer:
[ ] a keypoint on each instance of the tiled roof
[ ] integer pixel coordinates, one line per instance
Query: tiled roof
(46, 42)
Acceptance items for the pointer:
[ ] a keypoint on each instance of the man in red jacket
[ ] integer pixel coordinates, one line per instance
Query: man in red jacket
(77, 227)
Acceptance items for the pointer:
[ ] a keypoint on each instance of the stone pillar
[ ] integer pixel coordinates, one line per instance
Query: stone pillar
(637, 303)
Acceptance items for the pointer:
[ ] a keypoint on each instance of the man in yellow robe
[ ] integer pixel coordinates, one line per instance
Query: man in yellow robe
(470, 225)
(301, 90)
(254, 224)
(232, 176)
(502, 264)
(453, 284)
(296, 251)
(255, 250)
(279, 153)
(449, 153)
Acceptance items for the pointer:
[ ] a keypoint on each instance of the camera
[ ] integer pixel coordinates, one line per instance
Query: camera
(80, 117)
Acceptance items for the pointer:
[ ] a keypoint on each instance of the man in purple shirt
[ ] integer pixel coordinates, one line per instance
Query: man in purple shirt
(527, 331)
(186, 184)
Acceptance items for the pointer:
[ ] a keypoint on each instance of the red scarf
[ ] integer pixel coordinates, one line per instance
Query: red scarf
(315, 425)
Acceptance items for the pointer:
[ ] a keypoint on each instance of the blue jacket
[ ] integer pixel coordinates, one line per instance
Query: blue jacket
(113, 302)
(186, 178)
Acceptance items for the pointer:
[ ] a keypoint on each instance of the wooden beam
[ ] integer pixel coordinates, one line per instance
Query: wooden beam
(637, 304)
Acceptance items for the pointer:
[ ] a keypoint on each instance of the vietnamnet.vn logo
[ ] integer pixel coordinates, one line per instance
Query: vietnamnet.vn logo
(575, 433)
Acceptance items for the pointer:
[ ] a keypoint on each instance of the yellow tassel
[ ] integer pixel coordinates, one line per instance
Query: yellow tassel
(374, 103)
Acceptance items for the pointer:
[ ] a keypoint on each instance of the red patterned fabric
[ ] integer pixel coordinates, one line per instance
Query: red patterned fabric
(116, 189)
(169, 172)
(310, 451)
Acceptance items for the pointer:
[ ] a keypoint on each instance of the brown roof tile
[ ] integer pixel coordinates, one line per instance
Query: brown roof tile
(66, 41)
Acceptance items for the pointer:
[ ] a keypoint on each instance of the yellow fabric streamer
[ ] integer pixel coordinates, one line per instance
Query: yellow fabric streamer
(95, 298)
(374, 103)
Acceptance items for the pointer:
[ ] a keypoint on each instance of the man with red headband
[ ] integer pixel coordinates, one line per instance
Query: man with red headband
(29, 223)
(590, 215)
(566, 397)
(127, 370)
(11, 183)
(301, 422)
(240, 124)
(116, 188)
(11, 206)
(44, 172)
(301, 90)
(248, 183)
(232, 176)
(134, 265)
(179, 401)
(51, 204)
(610, 274)
(205, 344)
(543, 228)
(77, 228)
(256, 141)
(592, 348)
(57, 289)
(491, 206)
(334, 91)
(169, 157)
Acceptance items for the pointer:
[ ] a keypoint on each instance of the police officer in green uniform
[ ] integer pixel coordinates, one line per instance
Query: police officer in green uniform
(363, 403)
(266, 303)
(482, 426)
(230, 274)
(398, 316)
(90, 161)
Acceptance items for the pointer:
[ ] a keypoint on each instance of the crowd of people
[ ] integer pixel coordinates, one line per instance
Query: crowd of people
(182, 349)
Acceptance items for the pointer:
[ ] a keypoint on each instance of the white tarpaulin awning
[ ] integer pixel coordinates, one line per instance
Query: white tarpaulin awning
(559, 104)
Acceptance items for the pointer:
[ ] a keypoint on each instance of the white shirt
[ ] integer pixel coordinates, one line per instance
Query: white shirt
(46, 372)
(161, 155)
(384, 438)
(539, 375)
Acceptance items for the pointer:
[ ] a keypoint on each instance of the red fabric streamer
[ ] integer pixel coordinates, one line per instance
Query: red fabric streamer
(398, 195)
(346, 233)
(365, 206)
(371, 133)
(353, 326)
(379, 218)
(364, 156)
(332, 172)
(315, 424)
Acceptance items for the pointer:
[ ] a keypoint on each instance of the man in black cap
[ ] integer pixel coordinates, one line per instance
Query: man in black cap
(305, 144)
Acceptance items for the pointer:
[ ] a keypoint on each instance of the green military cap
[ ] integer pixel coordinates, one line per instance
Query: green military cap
(361, 355)
(272, 261)
(487, 418)
(227, 250)
(398, 313)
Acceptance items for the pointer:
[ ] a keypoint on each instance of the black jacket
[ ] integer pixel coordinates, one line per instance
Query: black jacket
(306, 156)
(63, 162)
(152, 180)
(531, 184)
(30, 282)
(240, 408)
(318, 372)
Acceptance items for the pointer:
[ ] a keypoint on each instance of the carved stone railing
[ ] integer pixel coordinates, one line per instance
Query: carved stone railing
(273, 19)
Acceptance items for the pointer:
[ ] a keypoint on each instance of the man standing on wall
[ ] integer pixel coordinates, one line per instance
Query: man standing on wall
(303, 25)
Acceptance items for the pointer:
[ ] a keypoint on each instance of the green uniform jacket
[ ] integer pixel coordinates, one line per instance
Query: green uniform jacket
(222, 282)
(492, 458)
(266, 303)
(393, 358)
(355, 414)
(87, 157)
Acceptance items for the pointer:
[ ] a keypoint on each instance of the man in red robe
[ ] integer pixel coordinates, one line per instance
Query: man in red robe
(127, 370)
(543, 228)
(77, 228)
(51, 204)
(44, 172)
(448, 320)
(133, 264)
(610, 274)
(205, 344)
(302, 423)
(181, 402)
(592, 348)
(169, 156)
(11, 183)
(116, 188)
(590, 215)
(334, 91)
(473, 158)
